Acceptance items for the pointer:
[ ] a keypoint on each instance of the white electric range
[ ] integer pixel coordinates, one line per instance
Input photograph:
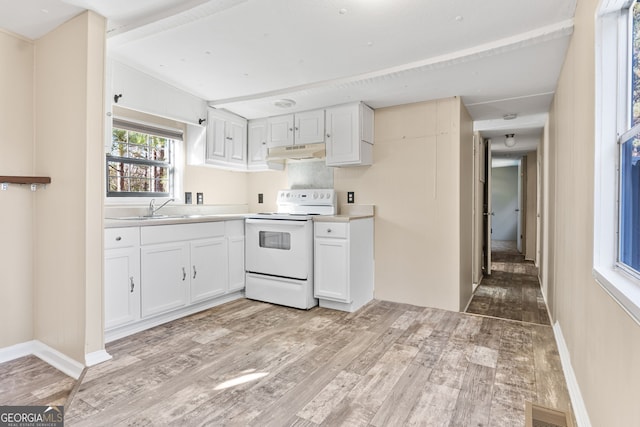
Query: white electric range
(279, 248)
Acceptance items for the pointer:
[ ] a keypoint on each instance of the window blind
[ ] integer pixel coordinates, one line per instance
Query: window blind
(175, 134)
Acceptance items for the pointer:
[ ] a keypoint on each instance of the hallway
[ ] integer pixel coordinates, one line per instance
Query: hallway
(512, 291)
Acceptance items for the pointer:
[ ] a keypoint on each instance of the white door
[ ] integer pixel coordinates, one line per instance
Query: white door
(216, 138)
(236, 263)
(165, 277)
(236, 135)
(257, 134)
(488, 210)
(331, 261)
(309, 127)
(280, 131)
(121, 286)
(208, 268)
(279, 247)
(343, 134)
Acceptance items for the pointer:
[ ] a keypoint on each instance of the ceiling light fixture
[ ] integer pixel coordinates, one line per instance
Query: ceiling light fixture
(510, 140)
(284, 103)
(510, 116)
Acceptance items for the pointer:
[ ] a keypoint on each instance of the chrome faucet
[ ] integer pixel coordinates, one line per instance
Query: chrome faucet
(152, 206)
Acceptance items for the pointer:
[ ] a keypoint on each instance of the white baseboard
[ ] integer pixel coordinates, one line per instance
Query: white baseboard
(17, 351)
(579, 408)
(92, 359)
(58, 360)
(47, 354)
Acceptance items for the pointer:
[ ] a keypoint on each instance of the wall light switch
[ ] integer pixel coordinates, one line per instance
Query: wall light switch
(200, 198)
(351, 197)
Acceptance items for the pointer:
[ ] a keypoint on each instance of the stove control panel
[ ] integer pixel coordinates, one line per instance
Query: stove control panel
(307, 197)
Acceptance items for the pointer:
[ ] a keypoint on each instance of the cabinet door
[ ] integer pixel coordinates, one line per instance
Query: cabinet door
(165, 277)
(236, 135)
(208, 268)
(236, 263)
(257, 142)
(121, 286)
(343, 135)
(216, 137)
(309, 127)
(280, 131)
(331, 272)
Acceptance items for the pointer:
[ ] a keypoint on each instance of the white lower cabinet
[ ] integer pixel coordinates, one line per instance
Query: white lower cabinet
(158, 273)
(208, 268)
(343, 264)
(121, 277)
(234, 231)
(165, 279)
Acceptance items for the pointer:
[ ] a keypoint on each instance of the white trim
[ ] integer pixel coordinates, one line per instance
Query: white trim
(610, 81)
(579, 408)
(58, 360)
(16, 351)
(47, 354)
(97, 357)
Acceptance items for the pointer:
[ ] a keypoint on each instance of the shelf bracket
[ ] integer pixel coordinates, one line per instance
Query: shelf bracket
(4, 186)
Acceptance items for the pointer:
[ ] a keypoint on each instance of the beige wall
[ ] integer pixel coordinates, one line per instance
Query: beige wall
(603, 341)
(68, 215)
(17, 203)
(219, 186)
(531, 206)
(415, 183)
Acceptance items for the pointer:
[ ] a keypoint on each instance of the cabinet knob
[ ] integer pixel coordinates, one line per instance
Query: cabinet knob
(118, 238)
(229, 138)
(328, 230)
(328, 136)
(290, 129)
(264, 143)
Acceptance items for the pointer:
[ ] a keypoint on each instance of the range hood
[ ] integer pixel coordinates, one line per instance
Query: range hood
(297, 152)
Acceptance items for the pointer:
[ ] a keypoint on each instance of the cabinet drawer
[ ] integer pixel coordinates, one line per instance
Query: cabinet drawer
(180, 232)
(121, 237)
(331, 229)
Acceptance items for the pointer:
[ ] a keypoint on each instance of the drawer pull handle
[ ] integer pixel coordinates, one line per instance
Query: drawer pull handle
(118, 238)
(132, 283)
(184, 274)
(328, 230)
(194, 272)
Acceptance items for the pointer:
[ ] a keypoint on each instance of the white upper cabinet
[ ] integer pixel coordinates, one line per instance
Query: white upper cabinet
(309, 127)
(302, 128)
(257, 147)
(349, 135)
(280, 131)
(226, 140)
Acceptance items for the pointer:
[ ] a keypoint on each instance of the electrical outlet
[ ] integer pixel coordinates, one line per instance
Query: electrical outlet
(200, 198)
(260, 198)
(350, 197)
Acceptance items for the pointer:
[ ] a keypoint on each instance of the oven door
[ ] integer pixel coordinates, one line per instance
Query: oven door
(281, 248)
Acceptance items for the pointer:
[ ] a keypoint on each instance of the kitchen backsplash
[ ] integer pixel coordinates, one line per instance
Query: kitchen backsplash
(309, 174)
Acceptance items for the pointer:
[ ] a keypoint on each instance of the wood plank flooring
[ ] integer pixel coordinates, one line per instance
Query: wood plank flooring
(512, 291)
(252, 363)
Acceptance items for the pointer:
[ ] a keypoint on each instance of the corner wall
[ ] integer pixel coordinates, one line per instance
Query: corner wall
(68, 215)
(416, 185)
(603, 341)
(16, 203)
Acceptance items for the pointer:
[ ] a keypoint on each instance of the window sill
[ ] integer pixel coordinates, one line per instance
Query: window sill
(622, 288)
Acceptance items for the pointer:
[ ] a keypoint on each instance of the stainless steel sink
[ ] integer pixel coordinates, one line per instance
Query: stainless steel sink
(146, 217)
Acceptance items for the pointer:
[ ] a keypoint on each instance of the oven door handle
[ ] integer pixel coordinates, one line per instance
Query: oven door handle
(272, 222)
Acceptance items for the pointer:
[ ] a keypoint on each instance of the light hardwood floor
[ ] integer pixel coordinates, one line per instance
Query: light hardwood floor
(251, 363)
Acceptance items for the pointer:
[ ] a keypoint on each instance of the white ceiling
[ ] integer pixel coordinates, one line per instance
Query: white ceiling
(500, 56)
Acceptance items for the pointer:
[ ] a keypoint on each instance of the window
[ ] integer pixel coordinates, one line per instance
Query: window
(616, 249)
(629, 223)
(141, 160)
